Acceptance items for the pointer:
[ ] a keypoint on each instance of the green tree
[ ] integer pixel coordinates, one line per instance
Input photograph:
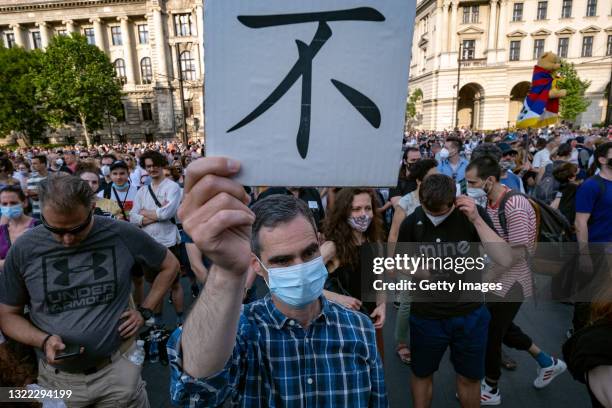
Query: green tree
(19, 108)
(574, 103)
(414, 98)
(77, 83)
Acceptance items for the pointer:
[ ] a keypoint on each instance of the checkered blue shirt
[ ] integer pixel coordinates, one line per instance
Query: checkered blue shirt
(276, 363)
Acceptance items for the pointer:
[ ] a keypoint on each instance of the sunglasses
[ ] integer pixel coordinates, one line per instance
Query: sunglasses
(64, 231)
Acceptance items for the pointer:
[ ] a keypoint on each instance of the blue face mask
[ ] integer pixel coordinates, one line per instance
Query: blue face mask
(12, 212)
(121, 187)
(298, 285)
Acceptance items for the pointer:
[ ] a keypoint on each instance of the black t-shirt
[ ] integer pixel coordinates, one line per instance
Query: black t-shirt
(454, 237)
(403, 187)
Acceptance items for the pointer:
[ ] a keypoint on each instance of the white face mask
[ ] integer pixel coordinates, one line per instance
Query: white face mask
(439, 219)
(444, 154)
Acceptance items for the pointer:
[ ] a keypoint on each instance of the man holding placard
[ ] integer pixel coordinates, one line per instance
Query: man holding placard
(293, 346)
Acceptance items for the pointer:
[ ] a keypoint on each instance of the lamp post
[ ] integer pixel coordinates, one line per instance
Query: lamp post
(459, 59)
(182, 91)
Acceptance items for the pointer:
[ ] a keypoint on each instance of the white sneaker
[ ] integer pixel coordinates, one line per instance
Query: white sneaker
(487, 397)
(546, 375)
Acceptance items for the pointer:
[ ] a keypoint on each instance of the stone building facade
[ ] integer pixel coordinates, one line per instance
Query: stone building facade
(500, 41)
(152, 43)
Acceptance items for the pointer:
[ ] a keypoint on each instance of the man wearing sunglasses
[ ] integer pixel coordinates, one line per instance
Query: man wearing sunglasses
(74, 273)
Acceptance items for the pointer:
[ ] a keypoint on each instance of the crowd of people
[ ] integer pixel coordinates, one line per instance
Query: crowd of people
(93, 239)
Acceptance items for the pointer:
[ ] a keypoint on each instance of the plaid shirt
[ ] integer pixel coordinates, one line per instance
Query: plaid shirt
(276, 363)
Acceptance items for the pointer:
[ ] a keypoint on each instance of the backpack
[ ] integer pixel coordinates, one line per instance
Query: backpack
(552, 229)
(547, 188)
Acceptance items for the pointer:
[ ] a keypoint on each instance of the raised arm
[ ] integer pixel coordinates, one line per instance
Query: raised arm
(216, 217)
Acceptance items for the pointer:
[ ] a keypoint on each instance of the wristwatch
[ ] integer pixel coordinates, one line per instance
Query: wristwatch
(146, 313)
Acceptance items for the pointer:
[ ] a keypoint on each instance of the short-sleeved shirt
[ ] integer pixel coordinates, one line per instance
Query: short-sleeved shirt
(592, 198)
(409, 202)
(521, 222)
(541, 158)
(79, 292)
(455, 232)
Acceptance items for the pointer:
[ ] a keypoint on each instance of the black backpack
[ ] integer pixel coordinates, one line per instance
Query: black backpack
(552, 226)
(547, 188)
(552, 229)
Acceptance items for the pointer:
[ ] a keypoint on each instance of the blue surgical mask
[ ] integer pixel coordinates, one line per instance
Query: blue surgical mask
(298, 285)
(122, 187)
(12, 212)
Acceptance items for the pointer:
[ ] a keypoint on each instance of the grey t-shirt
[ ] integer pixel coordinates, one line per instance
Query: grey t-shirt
(79, 293)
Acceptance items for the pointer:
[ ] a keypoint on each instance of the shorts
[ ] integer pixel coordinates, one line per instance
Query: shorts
(466, 336)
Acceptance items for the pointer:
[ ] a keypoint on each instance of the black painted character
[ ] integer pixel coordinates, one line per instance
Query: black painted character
(303, 67)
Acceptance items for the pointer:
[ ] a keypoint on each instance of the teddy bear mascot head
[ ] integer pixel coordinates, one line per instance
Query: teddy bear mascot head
(541, 106)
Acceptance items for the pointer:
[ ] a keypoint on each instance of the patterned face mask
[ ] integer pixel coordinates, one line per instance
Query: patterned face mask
(360, 223)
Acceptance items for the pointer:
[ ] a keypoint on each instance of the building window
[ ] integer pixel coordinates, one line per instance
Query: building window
(517, 12)
(147, 113)
(122, 114)
(538, 48)
(143, 34)
(116, 35)
(36, 41)
(542, 8)
(187, 66)
(566, 10)
(587, 46)
(61, 32)
(10, 40)
(146, 71)
(609, 46)
(591, 8)
(188, 108)
(91, 37)
(120, 70)
(469, 50)
(470, 14)
(182, 25)
(563, 47)
(515, 50)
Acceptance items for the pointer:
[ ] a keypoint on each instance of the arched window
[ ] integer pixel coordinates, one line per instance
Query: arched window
(146, 71)
(120, 70)
(187, 66)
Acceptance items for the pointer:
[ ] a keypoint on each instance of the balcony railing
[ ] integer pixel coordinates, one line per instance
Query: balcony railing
(476, 62)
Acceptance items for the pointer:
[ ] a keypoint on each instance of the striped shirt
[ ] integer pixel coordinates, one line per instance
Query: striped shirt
(34, 184)
(277, 363)
(521, 224)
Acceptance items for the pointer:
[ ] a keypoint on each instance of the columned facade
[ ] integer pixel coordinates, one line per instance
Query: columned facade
(140, 38)
(500, 40)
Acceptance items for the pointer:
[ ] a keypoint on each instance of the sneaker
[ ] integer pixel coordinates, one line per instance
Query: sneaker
(487, 397)
(547, 374)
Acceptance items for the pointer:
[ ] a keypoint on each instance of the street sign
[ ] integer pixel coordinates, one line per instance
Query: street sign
(308, 93)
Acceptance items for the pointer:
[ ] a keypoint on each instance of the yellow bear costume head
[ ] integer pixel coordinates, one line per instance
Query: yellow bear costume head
(549, 61)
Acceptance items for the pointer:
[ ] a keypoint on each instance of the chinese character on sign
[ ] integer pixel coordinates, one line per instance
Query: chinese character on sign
(303, 68)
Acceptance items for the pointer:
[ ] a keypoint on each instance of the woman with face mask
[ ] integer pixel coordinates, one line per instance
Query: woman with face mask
(353, 221)
(14, 222)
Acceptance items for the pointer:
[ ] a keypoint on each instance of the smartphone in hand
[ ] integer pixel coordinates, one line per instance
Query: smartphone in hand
(71, 350)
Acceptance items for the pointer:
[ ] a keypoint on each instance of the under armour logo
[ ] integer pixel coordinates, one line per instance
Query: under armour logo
(96, 267)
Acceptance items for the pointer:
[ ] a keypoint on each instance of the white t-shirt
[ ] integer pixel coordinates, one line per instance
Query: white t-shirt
(541, 158)
(127, 197)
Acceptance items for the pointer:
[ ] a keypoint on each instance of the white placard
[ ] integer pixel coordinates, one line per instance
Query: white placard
(347, 129)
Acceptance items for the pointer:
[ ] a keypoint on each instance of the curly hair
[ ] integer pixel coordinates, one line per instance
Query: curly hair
(17, 366)
(337, 229)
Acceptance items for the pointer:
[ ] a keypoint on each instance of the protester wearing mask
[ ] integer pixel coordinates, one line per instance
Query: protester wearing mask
(249, 354)
(15, 222)
(404, 184)
(442, 319)
(105, 207)
(483, 176)
(352, 223)
(105, 163)
(451, 163)
(120, 190)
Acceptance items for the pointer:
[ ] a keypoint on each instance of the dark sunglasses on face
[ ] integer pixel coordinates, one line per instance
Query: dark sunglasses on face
(64, 231)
